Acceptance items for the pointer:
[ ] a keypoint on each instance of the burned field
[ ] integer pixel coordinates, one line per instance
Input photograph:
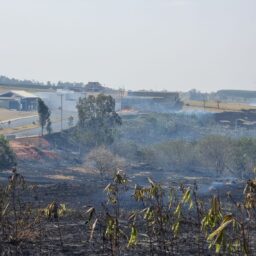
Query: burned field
(81, 219)
(179, 184)
(130, 129)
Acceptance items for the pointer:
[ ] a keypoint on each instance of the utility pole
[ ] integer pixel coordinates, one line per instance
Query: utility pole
(121, 93)
(61, 111)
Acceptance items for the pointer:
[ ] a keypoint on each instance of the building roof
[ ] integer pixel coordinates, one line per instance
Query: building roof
(17, 93)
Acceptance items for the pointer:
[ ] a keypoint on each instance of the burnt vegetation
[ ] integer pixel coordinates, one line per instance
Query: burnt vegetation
(137, 199)
(164, 222)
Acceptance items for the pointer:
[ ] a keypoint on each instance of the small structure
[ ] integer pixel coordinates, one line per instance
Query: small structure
(19, 100)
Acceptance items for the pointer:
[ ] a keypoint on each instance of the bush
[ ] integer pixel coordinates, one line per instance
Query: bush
(176, 154)
(7, 156)
(105, 161)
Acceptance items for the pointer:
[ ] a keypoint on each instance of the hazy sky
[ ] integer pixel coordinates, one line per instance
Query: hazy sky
(150, 44)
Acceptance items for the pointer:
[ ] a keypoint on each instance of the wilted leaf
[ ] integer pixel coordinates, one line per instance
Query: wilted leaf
(93, 228)
(133, 237)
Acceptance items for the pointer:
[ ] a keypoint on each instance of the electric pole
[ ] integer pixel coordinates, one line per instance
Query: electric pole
(61, 111)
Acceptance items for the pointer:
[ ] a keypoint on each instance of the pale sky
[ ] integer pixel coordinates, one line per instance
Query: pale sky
(175, 45)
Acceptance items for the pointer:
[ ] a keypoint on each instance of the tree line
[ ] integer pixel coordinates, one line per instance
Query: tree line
(4, 80)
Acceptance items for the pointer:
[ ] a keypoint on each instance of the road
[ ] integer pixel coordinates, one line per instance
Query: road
(29, 126)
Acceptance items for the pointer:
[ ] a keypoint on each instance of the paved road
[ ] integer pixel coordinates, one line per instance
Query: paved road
(23, 131)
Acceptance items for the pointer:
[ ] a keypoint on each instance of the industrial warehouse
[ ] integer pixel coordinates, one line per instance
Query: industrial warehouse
(18, 100)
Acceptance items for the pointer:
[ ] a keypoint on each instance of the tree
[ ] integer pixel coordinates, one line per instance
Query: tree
(49, 126)
(7, 156)
(97, 119)
(44, 114)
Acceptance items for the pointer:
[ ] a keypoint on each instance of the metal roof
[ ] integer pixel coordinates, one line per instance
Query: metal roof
(19, 93)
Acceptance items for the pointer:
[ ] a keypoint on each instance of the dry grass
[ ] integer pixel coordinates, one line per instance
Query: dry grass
(83, 170)
(60, 177)
(213, 106)
(18, 129)
(6, 114)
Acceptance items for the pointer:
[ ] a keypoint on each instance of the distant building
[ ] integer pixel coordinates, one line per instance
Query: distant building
(236, 95)
(53, 100)
(19, 100)
(152, 101)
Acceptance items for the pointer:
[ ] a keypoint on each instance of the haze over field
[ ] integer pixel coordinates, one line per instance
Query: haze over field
(136, 44)
(128, 127)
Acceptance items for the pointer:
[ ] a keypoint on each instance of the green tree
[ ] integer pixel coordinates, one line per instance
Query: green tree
(7, 156)
(97, 119)
(44, 115)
